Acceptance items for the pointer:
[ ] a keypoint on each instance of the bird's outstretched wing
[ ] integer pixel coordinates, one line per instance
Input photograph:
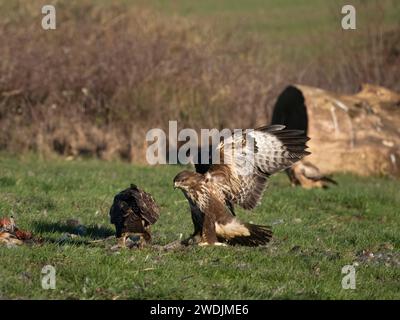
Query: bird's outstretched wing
(249, 158)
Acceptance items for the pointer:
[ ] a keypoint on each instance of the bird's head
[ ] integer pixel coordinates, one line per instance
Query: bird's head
(183, 180)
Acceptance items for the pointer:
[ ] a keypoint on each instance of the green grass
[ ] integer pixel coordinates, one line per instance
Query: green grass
(301, 29)
(317, 232)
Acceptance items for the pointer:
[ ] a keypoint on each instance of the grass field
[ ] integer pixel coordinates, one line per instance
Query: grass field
(299, 29)
(317, 232)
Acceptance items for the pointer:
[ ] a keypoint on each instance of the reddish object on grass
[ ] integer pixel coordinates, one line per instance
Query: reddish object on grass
(5, 223)
(9, 229)
(23, 235)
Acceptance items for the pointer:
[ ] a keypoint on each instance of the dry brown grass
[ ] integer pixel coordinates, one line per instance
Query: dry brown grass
(369, 54)
(109, 73)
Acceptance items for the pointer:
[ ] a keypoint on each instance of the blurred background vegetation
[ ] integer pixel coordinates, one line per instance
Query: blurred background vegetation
(114, 69)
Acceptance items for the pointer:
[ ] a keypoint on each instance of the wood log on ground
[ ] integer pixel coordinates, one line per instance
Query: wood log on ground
(357, 133)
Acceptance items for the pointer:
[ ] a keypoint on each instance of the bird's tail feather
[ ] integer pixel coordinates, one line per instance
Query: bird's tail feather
(259, 235)
(328, 179)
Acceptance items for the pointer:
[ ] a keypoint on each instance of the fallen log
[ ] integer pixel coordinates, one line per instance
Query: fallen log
(357, 133)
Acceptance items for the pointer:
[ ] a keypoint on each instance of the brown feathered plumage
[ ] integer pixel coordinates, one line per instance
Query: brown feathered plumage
(307, 175)
(246, 163)
(133, 211)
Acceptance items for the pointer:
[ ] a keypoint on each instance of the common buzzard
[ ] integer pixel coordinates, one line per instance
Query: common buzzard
(246, 162)
(307, 175)
(132, 212)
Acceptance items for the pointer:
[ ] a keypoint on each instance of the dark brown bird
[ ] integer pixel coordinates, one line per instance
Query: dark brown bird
(307, 175)
(247, 161)
(133, 211)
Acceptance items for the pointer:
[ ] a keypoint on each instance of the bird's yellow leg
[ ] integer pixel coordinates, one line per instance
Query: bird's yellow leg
(193, 239)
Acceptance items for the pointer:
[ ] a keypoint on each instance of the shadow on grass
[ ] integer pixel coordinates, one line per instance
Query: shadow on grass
(94, 232)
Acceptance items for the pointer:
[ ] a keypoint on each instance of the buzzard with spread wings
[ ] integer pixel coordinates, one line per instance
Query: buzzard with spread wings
(246, 162)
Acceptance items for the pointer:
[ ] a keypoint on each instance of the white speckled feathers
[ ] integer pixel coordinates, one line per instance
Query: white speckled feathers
(255, 155)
